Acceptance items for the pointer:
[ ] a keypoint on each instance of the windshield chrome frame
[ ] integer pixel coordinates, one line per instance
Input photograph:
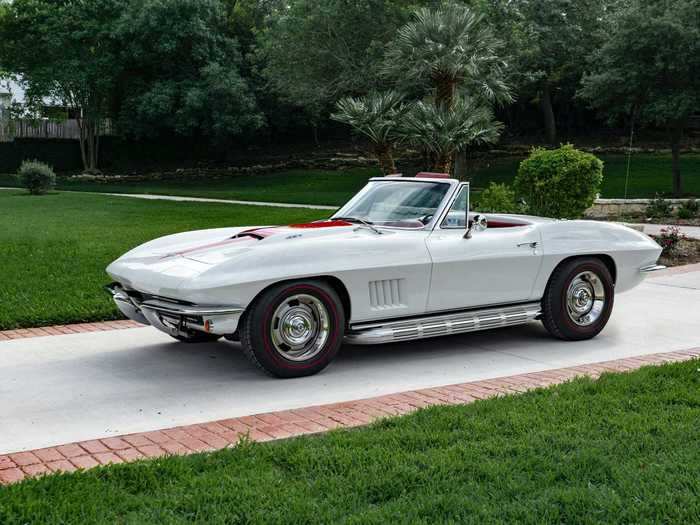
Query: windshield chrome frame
(446, 210)
(439, 210)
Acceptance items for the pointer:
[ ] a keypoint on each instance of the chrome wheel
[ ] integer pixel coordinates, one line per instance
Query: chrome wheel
(585, 298)
(300, 327)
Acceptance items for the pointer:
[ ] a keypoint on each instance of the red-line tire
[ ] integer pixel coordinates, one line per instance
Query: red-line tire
(257, 329)
(557, 315)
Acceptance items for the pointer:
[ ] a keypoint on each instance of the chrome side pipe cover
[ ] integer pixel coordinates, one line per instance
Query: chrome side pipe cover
(437, 325)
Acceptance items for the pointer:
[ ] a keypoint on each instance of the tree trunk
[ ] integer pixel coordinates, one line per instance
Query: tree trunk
(385, 158)
(314, 129)
(83, 153)
(676, 134)
(445, 90)
(89, 143)
(550, 125)
(443, 163)
(461, 164)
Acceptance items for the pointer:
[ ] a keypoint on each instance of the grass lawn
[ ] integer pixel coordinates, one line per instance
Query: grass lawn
(649, 174)
(54, 248)
(622, 449)
(293, 186)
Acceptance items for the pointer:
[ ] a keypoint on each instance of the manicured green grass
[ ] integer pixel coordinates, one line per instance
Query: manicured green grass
(293, 186)
(54, 248)
(622, 449)
(649, 174)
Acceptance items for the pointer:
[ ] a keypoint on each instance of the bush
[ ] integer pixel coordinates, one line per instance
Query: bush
(560, 183)
(689, 209)
(497, 198)
(36, 176)
(670, 239)
(659, 207)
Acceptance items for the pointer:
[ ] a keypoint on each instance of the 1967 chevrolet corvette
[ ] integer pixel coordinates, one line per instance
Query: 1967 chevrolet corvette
(404, 259)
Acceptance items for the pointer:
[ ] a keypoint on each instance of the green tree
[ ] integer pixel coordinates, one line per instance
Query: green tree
(181, 71)
(547, 42)
(314, 52)
(649, 69)
(376, 116)
(64, 52)
(448, 49)
(449, 54)
(443, 130)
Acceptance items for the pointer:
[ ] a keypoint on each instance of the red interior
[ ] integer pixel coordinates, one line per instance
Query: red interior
(505, 224)
(502, 223)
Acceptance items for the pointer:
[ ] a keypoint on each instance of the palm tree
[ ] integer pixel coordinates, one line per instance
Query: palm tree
(376, 116)
(449, 48)
(441, 131)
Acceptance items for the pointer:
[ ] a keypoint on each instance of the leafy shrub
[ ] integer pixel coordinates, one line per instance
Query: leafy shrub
(689, 209)
(497, 198)
(36, 176)
(659, 207)
(559, 183)
(670, 239)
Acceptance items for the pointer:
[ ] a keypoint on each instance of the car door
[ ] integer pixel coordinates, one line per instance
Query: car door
(497, 265)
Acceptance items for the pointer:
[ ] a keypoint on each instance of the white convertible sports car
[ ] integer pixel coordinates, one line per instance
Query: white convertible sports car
(404, 259)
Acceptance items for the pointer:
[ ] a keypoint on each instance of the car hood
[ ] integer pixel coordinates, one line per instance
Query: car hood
(161, 265)
(227, 248)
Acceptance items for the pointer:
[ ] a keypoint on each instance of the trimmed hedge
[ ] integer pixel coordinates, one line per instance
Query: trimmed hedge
(560, 183)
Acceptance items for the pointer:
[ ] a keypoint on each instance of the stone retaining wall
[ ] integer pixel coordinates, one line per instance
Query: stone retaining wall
(605, 208)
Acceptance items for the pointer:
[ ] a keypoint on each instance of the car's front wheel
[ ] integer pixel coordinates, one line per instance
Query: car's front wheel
(294, 329)
(579, 299)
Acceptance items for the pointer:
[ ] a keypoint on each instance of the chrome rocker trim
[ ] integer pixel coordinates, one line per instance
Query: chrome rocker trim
(176, 319)
(433, 326)
(652, 268)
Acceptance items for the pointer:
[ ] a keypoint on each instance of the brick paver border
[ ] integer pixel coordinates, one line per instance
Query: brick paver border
(289, 423)
(79, 328)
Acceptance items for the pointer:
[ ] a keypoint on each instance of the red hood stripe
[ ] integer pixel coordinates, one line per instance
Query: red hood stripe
(260, 233)
(205, 246)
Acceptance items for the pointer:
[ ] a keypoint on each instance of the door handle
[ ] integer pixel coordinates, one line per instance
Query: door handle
(532, 244)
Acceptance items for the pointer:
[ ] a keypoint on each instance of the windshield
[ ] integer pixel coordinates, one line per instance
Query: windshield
(399, 204)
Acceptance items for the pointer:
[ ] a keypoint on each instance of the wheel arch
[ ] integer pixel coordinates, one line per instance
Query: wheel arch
(335, 283)
(603, 257)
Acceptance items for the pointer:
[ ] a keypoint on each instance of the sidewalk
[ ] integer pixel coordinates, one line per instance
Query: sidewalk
(200, 199)
(692, 232)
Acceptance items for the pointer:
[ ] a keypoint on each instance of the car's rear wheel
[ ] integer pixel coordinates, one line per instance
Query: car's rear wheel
(293, 329)
(579, 299)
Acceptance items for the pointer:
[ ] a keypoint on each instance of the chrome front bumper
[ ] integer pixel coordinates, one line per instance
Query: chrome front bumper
(173, 318)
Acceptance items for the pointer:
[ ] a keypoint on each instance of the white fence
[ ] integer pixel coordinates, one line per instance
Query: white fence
(44, 129)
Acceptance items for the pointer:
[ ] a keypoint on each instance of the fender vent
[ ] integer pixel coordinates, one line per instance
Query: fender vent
(386, 294)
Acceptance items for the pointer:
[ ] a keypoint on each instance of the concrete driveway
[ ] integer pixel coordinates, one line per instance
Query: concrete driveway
(68, 388)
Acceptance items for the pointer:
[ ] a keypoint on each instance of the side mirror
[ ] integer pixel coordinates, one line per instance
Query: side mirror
(480, 223)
